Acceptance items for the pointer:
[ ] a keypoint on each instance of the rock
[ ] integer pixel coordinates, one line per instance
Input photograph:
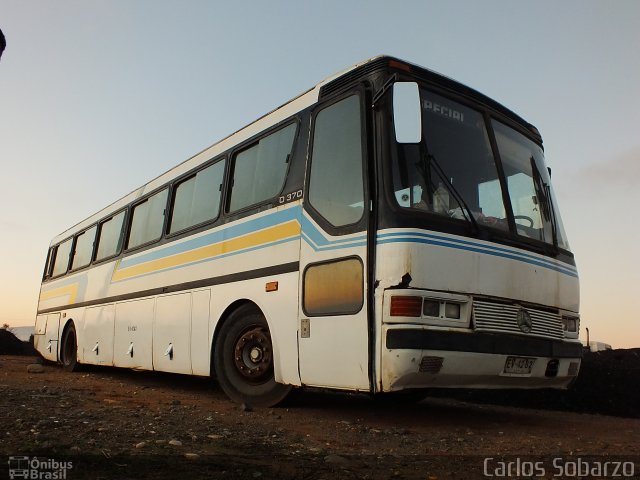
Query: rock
(191, 456)
(246, 407)
(215, 437)
(175, 443)
(160, 442)
(141, 444)
(35, 368)
(75, 449)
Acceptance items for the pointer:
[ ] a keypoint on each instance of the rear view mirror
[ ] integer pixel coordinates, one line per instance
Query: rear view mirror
(407, 116)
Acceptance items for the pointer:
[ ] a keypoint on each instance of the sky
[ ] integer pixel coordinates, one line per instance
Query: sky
(98, 97)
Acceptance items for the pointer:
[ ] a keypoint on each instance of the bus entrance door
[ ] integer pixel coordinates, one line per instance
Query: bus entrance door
(332, 329)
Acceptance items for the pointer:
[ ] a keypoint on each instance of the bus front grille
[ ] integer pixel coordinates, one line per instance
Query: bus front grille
(498, 317)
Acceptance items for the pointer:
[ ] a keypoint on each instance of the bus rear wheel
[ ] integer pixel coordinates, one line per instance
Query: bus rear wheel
(69, 349)
(243, 360)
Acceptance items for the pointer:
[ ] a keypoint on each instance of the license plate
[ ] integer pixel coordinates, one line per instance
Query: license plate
(519, 365)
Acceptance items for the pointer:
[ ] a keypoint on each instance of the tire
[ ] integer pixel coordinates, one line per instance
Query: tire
(69, 349)
(243, 360)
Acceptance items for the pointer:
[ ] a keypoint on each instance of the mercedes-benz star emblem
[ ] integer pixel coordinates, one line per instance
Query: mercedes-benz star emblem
(524, 321)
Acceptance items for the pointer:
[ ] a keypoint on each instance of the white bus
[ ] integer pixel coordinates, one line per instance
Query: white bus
(388, 230)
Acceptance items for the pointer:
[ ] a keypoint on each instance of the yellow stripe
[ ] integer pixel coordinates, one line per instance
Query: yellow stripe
(268, 235)
(70, 290)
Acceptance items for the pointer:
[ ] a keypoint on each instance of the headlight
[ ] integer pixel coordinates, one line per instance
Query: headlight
(452, 310)
(430, 308)
(570, 324)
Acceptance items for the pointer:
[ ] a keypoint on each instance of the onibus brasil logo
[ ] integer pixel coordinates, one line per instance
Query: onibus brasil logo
(38, 468)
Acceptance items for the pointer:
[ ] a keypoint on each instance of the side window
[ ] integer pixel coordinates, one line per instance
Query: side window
(334, 288)
(49, 264)
(110, 238)
(84, 249)
(197, 199)
(61, 261)
(260, 170)
(147, 220)
(336, 178)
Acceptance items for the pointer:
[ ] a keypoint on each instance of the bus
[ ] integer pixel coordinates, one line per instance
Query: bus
(388, 230)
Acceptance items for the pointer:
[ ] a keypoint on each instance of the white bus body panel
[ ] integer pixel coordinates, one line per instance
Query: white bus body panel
(45, 339)
(451, 263)
(95, 340)
(133, 334)
(200, 332)
(336, 351)
(268, 239)
(172, 333)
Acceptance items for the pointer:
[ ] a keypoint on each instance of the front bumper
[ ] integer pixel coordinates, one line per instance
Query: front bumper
(423, 357)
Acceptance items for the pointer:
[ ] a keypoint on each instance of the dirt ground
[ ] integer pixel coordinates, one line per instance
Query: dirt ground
(114, 423)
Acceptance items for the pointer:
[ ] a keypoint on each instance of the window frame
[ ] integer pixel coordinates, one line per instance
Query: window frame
(185, 177)
(123, 228)
(55, 257)
(129, 219)
(75, 246)
(554, 220)
(327, 262)
(360, 224)
(48, 265)
(231, 165)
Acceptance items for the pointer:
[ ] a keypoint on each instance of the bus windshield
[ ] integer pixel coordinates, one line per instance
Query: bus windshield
(453, 173)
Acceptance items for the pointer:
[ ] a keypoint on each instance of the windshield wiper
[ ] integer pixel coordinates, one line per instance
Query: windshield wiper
(456, 195)
(543, 192)
(554, 230)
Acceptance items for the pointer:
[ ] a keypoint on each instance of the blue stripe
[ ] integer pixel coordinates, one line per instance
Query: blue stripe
(216, 237)
(318, 241)
(473, 247)
(356, 243)
(409, 234)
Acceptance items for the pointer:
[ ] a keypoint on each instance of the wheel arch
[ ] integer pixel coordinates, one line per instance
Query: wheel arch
(76, 363)
(67, 324)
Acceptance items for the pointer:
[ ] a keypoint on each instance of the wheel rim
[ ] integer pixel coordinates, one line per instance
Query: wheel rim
(252, 355)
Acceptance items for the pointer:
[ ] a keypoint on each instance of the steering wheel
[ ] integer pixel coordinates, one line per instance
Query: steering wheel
(524, 217)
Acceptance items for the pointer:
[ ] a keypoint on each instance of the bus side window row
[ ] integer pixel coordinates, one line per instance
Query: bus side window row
(259, 174)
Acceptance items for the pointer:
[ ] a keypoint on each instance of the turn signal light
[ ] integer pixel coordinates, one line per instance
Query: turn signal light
(404, 306)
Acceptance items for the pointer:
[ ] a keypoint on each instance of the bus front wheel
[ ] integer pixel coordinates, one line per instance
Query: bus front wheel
(243, 359)
(69, 349)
